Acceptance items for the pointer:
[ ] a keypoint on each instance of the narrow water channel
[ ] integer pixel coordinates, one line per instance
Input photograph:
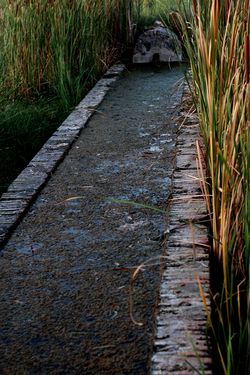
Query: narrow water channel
(66, 271)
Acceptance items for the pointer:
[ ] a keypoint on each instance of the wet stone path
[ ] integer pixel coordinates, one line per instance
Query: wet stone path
(66, 271)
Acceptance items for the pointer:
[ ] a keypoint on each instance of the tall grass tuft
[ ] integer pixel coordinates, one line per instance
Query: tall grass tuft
(60, 46)
(218, 44)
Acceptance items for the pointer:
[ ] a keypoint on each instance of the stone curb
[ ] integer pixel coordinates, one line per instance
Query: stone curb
(181, 342)
(25, 188)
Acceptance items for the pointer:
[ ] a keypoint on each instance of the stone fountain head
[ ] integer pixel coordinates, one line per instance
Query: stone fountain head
(157, 44)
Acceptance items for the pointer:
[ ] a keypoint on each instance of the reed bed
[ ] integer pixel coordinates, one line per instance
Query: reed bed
(60, 46)
(52, 52)
(152, 10)
(217, 39)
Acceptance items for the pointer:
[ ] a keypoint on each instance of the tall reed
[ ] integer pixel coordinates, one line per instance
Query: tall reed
(218, 44)
(59, 46)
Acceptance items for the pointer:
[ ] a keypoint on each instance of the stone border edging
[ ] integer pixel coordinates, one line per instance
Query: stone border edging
(181, 342)
(25, 188)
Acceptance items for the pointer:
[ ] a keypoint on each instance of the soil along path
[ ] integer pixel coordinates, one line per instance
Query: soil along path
(66, 269)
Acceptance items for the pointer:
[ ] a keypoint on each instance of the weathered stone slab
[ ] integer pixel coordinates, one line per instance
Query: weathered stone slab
(176, 257)
(192, 210)
(185, 161)
(192, 233)
(181, 344)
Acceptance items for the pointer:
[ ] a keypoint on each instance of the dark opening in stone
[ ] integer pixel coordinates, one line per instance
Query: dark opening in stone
(156, 59)
(147, 46)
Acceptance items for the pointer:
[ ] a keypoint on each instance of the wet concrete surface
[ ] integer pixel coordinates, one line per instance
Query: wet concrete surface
(66, 271)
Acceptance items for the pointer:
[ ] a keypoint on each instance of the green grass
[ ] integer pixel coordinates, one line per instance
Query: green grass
(151, 10)
(59, 46)
(24, 126)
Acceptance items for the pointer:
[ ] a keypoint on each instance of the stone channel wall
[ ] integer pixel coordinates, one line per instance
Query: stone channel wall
(22, 192)
(181, 343)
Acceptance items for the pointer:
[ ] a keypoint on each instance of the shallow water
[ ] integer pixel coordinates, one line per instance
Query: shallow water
(67, 268)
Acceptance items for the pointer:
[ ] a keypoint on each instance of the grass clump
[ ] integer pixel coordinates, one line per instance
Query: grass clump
(59, 46)
(218, 44)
